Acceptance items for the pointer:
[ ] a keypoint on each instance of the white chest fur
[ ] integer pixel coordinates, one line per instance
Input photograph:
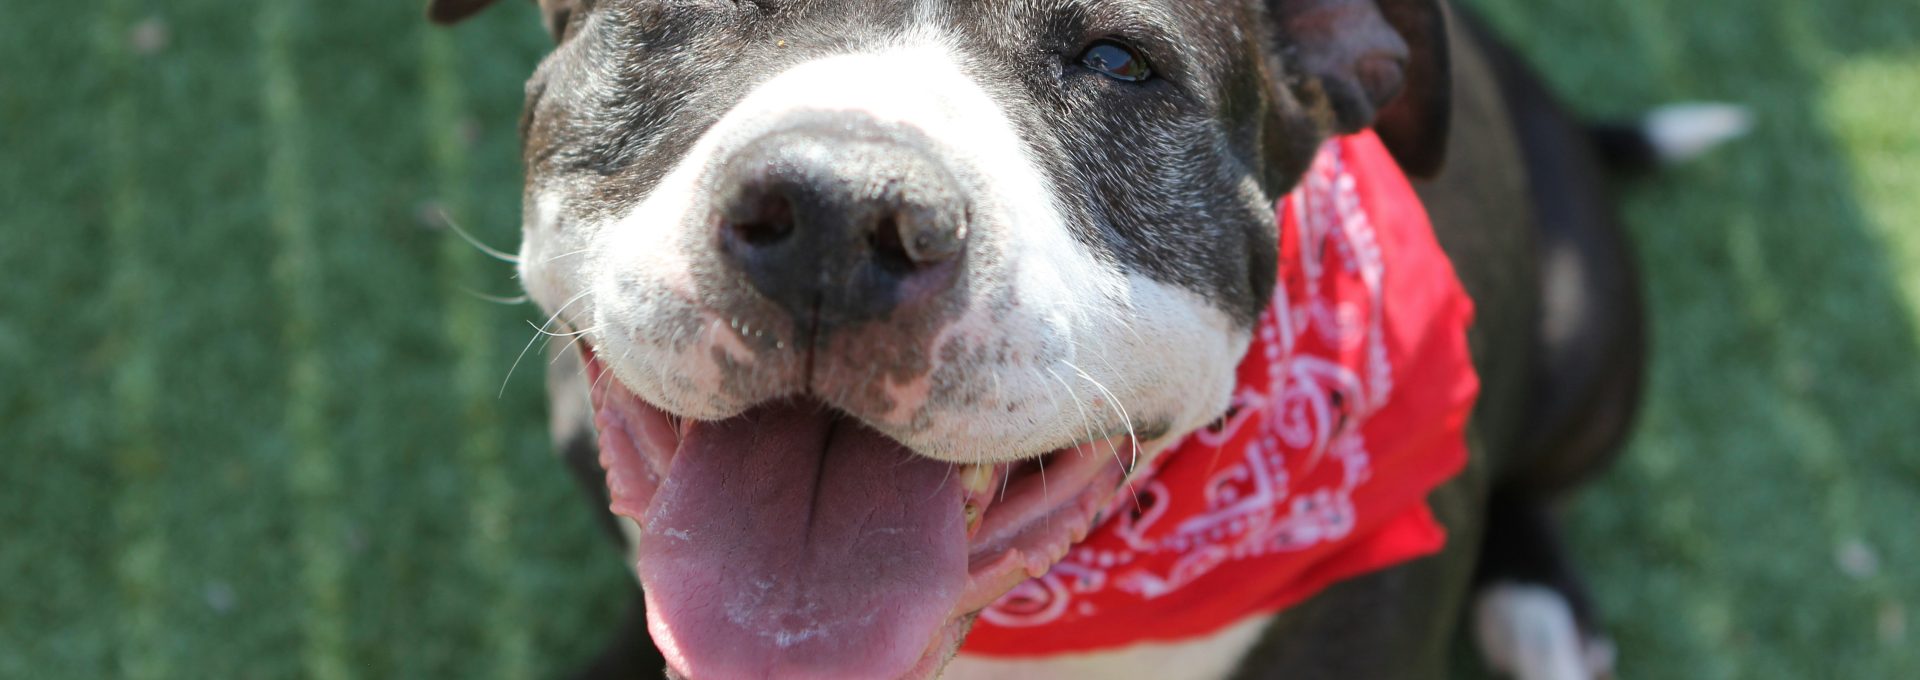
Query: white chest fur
(1205, 659)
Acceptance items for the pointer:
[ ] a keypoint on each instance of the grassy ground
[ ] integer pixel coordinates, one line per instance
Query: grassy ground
(253, 424)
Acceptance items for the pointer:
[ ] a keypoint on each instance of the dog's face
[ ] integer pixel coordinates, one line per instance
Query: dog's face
(934, 217)
(883, 300)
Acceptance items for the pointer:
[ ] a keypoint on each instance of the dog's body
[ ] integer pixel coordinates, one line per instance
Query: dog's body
(896, 225)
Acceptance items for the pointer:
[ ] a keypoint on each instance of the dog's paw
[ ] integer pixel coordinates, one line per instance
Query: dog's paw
(1529, 632)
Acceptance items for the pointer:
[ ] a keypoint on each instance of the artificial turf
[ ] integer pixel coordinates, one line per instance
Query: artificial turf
(252, 422)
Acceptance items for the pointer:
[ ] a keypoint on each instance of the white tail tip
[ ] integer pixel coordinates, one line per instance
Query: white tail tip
(1682, 132)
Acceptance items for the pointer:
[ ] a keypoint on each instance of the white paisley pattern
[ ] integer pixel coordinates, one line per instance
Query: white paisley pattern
(1312, 407)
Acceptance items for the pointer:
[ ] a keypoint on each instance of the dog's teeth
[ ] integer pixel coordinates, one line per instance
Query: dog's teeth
(976, 478)
(973, 518)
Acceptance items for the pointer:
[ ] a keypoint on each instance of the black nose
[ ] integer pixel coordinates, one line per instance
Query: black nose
(841, 220)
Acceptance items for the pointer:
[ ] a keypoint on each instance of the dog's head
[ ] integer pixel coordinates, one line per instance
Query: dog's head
(884, 299)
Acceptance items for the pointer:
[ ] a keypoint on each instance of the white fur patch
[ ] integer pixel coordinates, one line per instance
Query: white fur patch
(1682, 132)
(1529, 632)
(1084, 348)
(1203, 659)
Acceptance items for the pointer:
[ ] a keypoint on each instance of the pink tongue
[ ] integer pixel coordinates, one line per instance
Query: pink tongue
(790, 542)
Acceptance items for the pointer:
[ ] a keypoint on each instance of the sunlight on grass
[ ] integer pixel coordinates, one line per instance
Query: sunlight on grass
(1872, 104)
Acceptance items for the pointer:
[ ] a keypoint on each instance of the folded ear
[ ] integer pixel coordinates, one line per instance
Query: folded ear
(1380, 64)
(556, 14)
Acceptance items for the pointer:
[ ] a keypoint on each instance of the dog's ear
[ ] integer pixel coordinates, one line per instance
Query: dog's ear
(556, 14)
(1380, 64)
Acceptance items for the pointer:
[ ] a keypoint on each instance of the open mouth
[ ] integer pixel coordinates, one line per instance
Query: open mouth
(794, 541)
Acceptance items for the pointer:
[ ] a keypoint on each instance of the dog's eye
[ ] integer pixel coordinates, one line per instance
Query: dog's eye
(1116, 60)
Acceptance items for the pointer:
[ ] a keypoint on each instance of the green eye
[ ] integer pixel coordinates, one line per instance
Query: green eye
(1116, 60)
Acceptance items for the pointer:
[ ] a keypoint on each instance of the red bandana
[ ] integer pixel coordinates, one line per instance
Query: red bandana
(1351, 406)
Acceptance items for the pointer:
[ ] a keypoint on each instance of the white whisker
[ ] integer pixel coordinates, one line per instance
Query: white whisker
(496, 299)
(581, 251)
(574, 334)
(1086, 423)
(1133, 438)
(943, 479)
(536, 338)
(582, 335)
(454, 226)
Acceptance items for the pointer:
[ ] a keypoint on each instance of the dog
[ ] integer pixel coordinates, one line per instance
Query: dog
(884, 308)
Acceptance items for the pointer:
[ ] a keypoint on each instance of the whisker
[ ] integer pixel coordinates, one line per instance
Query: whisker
(576, 340)
(1086, 423)
(1133, 438)
(1003, 482)
(604, 374)
(1112, 315)
(1086, 426)
(596, 381)
(536, 337)
(1045, 496)
(1121, 409)
(574, 334)
(1055, 402)
(454, 226)
(581, 251)
(496, 299)
(943, 479)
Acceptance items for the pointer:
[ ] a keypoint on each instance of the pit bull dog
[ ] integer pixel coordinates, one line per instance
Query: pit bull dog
(884, 310)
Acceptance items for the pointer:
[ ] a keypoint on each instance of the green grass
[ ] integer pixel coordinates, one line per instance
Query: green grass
(252, 425)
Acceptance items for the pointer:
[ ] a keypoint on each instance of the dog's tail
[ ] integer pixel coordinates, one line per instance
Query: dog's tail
(1669, 135)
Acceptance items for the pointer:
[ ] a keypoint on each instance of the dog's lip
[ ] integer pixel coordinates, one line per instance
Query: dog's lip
(637, 441)
(1023, 515)
(1036, 517)
(644, 438)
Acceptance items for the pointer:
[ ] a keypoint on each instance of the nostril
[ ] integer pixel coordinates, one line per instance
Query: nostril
(917, 237)
(943, 241)
(765, 220)
(890, 247)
